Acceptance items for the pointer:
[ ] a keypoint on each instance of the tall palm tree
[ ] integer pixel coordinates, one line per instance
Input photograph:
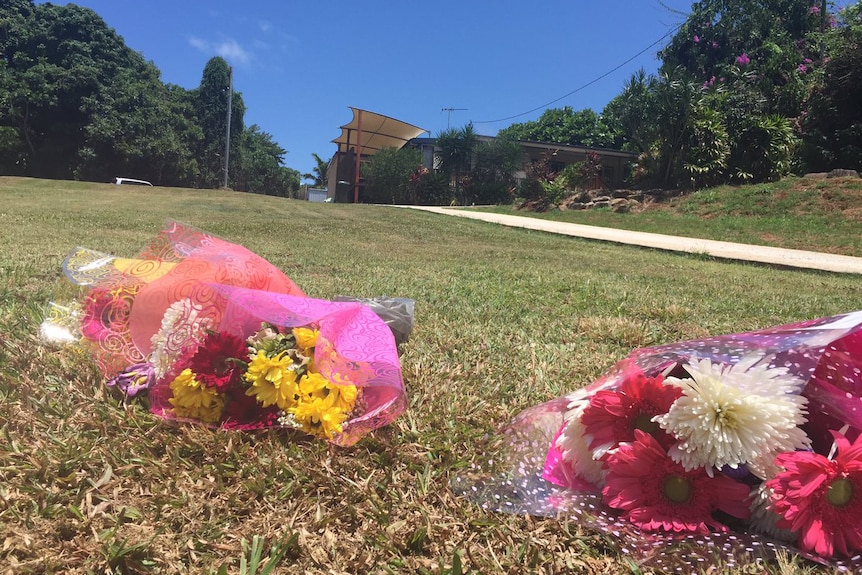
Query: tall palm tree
(456, 153)
(318, 173)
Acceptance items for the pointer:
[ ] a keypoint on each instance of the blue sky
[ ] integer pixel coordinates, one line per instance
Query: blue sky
(300, 64)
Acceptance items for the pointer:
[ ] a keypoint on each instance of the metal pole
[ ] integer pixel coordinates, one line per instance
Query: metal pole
(227, 138)
(358, 154)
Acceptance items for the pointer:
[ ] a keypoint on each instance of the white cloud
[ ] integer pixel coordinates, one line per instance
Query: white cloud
(199, 43)
(265, 26)
(229, 49)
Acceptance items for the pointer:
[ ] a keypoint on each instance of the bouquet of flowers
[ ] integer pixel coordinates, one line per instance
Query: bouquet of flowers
(216, 334)
(733, 445)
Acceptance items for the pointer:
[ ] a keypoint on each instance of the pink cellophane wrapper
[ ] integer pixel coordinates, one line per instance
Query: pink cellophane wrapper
(523, 471)
(233, 290)
(129, 297)
(354, 347)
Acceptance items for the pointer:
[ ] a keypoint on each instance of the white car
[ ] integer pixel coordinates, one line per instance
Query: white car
(132, 182)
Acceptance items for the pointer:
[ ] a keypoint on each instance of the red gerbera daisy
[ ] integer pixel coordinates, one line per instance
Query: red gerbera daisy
(243, 412)
(215, 361)
(613, 416)
(821, 498)
(658, 494)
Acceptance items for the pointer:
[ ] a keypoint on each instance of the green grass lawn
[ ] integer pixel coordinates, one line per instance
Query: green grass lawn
(505, 319)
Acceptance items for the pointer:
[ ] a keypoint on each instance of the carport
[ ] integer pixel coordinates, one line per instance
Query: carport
(365, 135)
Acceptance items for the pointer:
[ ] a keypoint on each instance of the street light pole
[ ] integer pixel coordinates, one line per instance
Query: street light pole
(227, 138)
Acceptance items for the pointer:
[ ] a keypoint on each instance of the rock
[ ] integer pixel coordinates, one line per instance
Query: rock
(619, 205)
(843, 174)
(535, 205)
(815, 176)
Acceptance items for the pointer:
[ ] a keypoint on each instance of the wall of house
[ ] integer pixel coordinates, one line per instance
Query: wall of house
(614, 162)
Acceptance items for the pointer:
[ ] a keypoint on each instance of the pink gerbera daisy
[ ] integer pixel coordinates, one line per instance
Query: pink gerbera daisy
(821, 498)
(612, 417)
(658, 494)
(220, 361)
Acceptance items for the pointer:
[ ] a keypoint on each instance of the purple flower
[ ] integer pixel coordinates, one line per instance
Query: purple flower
(814, 10)
(696, 38)
(134, 379)
(715, 45)
(802, 68)
(743, 59)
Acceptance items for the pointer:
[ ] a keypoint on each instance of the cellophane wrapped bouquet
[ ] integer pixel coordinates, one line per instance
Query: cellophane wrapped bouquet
(215, 334)
(731, 447)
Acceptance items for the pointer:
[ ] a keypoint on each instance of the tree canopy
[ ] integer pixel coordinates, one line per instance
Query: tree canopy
(748, 90)
(566, 126)
(76, 102)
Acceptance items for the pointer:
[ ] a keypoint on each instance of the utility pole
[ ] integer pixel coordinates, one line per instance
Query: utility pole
(227, 138)
(449, 116)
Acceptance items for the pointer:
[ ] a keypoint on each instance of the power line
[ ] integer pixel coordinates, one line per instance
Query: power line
(590, 83)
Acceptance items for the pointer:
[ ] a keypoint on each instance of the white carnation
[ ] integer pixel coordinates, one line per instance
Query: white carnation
(730, 415)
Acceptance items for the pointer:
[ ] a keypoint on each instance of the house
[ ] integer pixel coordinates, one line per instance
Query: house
(369, 132)
(615, 163)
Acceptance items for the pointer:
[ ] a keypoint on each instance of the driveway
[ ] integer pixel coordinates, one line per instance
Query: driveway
(726, 250)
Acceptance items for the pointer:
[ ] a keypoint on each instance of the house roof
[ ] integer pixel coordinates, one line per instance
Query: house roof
(374, 132)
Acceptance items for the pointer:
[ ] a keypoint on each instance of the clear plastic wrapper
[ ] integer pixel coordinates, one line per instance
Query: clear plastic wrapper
(735, 447)
(396, 312)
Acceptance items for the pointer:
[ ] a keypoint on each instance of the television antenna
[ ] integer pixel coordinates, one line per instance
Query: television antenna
(449, 115)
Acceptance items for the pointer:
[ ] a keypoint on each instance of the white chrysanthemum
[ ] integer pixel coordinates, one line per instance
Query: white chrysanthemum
(574, 443)
(730, 415)
(181, 325)
(763, 518)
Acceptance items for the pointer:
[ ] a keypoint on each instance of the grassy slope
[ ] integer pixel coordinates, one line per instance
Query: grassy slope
(799, 213)
(505, 319)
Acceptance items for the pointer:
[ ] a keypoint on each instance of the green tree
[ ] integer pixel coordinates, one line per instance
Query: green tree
(832, 126)
(53, 58)
(212, 102)
(318, 172)
(455, 158)
(675, 99)
(387, 176)
(708, 148)
(76, 102)
(430, 188)
(493, 174)
(137, 126)
(259, 166)
(565, 126)
(630, 113)
(770, 38)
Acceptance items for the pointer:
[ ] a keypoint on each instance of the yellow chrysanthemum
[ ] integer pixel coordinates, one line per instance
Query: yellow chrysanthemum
(344, 396)
(191, 399)
(312, 385)
(305, 338)
(272, 380)
(319, 417)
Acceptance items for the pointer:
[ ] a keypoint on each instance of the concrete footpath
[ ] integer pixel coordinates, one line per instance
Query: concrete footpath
(726, 250)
